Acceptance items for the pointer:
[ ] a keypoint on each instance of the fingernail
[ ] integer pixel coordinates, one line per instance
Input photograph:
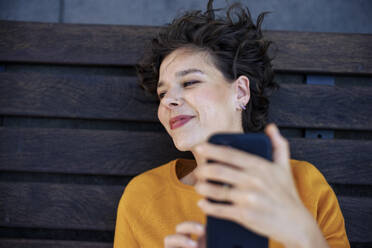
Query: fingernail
(199, 148)
(200, 228)
(276, 128)
(192, 243)
(271, 124)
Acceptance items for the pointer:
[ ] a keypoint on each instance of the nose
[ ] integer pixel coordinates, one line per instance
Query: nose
(172, 100)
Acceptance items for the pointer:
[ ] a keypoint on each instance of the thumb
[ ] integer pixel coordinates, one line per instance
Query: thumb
(202, 242)
(280, 145)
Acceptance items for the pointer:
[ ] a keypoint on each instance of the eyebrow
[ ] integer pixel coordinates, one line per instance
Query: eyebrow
(183, 73)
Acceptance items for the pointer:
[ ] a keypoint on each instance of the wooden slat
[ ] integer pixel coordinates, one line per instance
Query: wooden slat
(59, 206)
(104, 97)
(123, 45)
(340, 161)
(358, 217)
(94, 208)
(323, 52)
(84, 151)
(97, 97)
(122, 153)
(72, 43)
(39, 243)
(320, 106)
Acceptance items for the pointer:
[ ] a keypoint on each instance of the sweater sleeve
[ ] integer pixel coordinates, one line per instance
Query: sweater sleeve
(123, 232)
(328, 212)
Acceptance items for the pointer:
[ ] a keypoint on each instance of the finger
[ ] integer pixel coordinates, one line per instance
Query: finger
(231, 156)
(179, 240)
(252, 200)
(228, 212)
(190, 227)
(280, 145)
(221, 173)
(243, 216)
(212, 191)
(252, 197)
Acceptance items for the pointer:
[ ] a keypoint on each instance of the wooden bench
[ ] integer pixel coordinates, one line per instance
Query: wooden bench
(75, 127)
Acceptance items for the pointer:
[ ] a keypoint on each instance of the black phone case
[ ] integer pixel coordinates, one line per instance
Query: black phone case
(225, 233)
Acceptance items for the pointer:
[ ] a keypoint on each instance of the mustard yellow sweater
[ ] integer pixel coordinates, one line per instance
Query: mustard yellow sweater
(155, 201)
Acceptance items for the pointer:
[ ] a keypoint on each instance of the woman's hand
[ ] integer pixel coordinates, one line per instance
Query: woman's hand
(264, 195)
(182, 238)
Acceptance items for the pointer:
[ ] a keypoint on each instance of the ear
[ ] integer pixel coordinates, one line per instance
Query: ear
(242, 91)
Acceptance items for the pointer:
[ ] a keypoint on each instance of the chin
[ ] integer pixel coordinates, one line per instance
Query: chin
(184, 143)
(182, 146)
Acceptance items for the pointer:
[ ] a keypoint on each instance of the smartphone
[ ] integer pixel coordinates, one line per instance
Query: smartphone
(225, 233)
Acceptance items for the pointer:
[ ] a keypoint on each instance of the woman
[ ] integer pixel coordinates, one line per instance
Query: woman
(214, 75)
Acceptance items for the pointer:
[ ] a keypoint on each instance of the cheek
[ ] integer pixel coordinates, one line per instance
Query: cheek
(161, 115)
(209, 102)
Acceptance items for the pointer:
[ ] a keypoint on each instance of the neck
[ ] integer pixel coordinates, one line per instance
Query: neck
(190, 179)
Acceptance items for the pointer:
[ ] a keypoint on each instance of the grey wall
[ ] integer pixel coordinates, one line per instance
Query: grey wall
(351, 16)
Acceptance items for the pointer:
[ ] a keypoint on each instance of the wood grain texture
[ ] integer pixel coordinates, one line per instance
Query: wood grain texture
(120, 98)
(80, 44)
(123, 45)
(84, 151)
(324, 107)
(323, 52)
(94, 208)
(96, 97)
(357, 212)
(340, 161)
(59, 206)
(98, 152)
(35, 243)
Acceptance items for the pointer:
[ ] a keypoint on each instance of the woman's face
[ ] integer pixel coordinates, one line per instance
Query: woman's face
(189, 84)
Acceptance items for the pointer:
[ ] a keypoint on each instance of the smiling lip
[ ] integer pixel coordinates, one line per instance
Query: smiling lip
(179, 121)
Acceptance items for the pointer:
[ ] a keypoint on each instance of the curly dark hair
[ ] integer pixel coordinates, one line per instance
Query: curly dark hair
(236, 46)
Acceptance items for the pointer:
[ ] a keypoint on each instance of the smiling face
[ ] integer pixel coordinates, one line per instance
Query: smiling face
(189, 84)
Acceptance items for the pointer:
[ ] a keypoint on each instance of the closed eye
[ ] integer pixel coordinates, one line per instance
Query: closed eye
(190, 83)
(185, 84)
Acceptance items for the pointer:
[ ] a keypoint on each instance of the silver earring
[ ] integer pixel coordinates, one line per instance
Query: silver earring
(242, 106)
